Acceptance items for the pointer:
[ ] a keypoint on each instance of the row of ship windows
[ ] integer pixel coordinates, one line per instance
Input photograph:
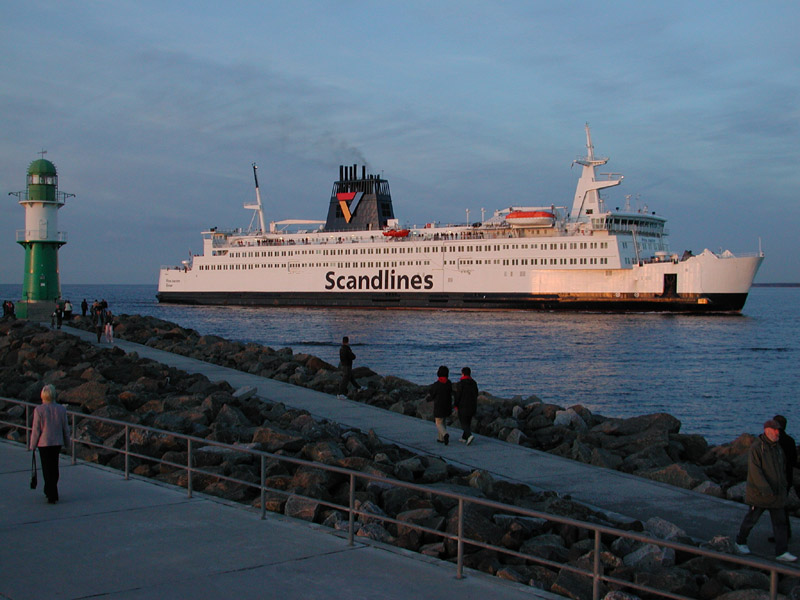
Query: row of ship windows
(403, 263)
(534, 261)
(418, 250)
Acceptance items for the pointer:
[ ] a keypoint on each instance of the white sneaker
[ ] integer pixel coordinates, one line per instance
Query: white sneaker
(470, 439)
(786, 557)
(363, 388)
(341, 397)
(742, 548)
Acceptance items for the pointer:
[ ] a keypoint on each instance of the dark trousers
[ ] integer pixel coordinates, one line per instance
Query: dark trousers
(466, 425)
(780, 528)
(49, 458)
(347, 379)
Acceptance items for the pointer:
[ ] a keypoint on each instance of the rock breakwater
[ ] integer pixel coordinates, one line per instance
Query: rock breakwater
(650, 446)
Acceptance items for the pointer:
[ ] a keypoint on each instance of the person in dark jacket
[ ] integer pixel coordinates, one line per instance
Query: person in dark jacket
(441, 392)
(466, 403)
(766, 490)
(346, 358)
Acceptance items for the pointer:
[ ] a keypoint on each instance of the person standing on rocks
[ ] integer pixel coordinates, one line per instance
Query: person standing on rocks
(466, 403)
(108, 328)
(346, 358)
(766, 490)
(100, 321)
(67, 310)
(50, 431)
(84, 307)
(441, 392)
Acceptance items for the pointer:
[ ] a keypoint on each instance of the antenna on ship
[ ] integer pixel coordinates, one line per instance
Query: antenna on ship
(587, 197)
(257, 206)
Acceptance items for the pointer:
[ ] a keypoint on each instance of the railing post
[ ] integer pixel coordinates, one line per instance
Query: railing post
(28, 426)
(352, 519)
(127, 452)
(263, 486)
(596, 567)
(189, 467)
(72, 439)
(773, 584)
(460, 563)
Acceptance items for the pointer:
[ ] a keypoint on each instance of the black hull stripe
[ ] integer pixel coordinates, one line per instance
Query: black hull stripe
(709, 303)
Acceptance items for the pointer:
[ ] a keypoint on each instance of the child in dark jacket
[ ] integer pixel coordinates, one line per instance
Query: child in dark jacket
(466, 403)
(441, 392)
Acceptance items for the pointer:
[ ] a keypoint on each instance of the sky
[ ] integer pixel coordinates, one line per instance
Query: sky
(154, 111)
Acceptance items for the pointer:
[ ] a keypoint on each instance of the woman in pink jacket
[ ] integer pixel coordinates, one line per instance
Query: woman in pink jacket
(50, 432)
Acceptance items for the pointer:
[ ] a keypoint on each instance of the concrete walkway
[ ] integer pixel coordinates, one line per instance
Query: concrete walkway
(137, 539)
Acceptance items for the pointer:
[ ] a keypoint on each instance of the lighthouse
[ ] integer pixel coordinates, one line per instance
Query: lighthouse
(41, 288)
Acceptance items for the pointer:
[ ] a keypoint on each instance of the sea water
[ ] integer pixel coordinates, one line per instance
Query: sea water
(720, 375)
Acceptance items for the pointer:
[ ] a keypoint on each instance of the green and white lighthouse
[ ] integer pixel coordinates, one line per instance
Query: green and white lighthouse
(41, 288)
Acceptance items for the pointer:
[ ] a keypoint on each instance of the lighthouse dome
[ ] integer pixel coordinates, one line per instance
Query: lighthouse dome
(42, 166)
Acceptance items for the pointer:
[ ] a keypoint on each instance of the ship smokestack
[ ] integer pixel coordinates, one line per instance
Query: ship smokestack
(363, 171)
(341, 172)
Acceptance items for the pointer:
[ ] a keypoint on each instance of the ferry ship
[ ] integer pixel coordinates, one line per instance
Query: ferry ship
(579, 258)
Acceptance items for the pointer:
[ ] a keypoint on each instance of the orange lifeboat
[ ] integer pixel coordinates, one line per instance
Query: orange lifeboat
(398, 233)
(530, 218)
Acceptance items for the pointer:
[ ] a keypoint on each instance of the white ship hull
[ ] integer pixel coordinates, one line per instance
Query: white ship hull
(588, 259)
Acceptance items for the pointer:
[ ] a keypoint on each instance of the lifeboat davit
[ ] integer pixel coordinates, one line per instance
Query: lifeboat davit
(530, 218)
(398, 233)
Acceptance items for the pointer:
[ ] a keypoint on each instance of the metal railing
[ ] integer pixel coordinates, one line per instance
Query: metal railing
(36, 235)
(596, 574)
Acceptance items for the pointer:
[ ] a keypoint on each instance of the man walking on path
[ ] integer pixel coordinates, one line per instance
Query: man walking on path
(466, 403)
(766, 490)
(346, 358)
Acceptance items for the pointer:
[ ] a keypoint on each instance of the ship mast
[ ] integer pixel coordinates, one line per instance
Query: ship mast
(257, 206)
(587, 198)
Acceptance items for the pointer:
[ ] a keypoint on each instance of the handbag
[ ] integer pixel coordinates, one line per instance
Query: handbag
(34, 478)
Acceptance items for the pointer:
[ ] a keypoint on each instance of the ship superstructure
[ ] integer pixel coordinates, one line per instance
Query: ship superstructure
(578, 257)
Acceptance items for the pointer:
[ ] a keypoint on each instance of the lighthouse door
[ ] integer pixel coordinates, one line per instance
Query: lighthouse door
(670, 285)
(42, 229)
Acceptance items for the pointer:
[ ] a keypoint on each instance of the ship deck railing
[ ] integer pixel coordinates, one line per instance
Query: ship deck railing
(124, 445)
(342, 237)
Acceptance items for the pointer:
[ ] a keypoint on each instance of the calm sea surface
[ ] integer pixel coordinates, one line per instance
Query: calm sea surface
(720, 375)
